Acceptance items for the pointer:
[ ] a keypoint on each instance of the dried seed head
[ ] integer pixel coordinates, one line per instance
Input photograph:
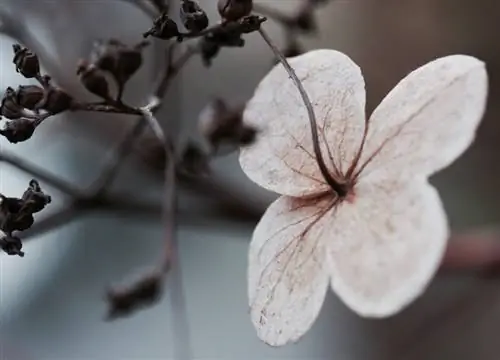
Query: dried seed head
(232, 10)
(221, 125)
(93, 79)
(35, 200)
(13, 216)
(29, 96)
(141, 293)
(251, 23)
(56, 100)
(26, 61)
(19, 130)
(193, 16)
(163, 28)
(194, 161)
(120, 60)
(11, 245)
(306, 21)
(9, 106)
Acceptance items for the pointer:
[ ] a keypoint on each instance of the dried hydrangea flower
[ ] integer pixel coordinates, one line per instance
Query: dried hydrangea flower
(380, 240)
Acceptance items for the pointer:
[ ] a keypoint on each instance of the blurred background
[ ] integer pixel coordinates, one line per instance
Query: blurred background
(51, 301)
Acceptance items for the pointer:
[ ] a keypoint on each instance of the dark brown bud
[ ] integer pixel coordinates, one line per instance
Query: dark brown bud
(251, 23)
(232, 10)
(11, 245)
(194, 161)
(93, 79)
(35, 200)
(144, 292)
(221, 125)
(19, 130)
(9, 106)
(163, 28)
(118, 59)
(306, 21)
(28, 96)
(56, 101)
(192, 16)
(26, 61)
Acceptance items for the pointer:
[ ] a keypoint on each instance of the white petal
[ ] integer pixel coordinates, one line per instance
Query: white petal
(287, 278)
(428, 120)
(386, 246)
(282, 159)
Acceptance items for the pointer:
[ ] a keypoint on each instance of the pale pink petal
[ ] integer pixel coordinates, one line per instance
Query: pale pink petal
(428, 120)
(282, 159)
(386, 245)
(287, 275)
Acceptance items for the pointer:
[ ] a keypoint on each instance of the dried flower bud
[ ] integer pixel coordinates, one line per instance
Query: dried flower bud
(9, 106)
(208, 50)
(19, 130)
(29, 96)
(194, 161)
(26, 61)
(143, 292)
(56, 101)
(93, 79)
(306, 21)
(117, 58)
(35, 200)
(246, 135)
(192, 16)
(251, 23)
(221, 125)
(11, 245)
(232, 10)
(163, 28)
(13, 215)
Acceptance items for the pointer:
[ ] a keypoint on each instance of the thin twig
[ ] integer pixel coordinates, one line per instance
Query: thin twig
(334, 184)
(52, 222)
(116, 160)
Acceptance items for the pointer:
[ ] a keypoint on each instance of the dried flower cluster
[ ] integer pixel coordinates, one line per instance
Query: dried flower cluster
(16, 215)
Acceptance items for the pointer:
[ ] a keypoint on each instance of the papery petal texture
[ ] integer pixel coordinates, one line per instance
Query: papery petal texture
(287, 273)
(428, 120)
(282, 159)
(387, 245)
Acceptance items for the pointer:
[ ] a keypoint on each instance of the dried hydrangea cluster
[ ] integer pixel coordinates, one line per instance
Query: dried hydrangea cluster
(16, 215)
(365, 222)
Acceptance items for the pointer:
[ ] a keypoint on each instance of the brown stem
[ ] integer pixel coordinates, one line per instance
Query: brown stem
(173, 68)
(334, 184)
(116, 160)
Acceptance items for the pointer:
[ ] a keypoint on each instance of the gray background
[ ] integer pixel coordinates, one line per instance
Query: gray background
(51, 301)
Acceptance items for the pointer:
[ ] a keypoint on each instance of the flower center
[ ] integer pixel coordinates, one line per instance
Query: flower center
(344, 190)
